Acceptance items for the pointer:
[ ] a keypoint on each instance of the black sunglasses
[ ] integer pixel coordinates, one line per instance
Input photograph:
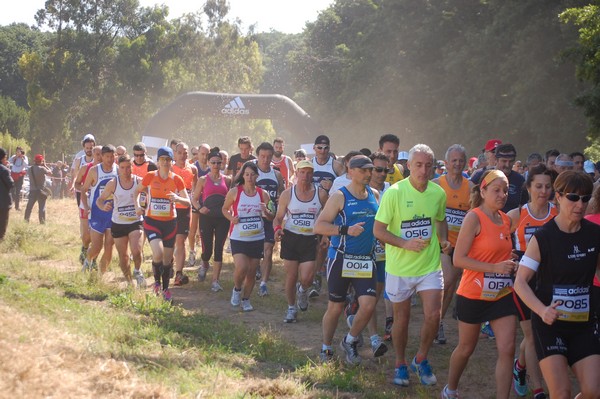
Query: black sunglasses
(576, 197)
(380, 169)
(322, 147)
(138, 155)
(216, 162)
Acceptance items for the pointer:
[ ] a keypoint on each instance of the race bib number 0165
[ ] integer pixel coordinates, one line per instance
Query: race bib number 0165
(357, 266)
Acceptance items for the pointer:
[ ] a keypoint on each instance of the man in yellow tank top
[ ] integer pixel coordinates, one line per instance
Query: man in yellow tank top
(388, 144)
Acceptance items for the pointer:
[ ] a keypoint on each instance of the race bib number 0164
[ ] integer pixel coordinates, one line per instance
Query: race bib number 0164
(357, 266)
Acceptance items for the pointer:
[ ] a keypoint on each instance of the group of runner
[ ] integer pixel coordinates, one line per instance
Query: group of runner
(380, 224)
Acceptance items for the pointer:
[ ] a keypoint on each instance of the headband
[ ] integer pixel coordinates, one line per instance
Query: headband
(493, 175)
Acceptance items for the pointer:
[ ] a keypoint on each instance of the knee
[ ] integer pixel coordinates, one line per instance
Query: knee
(432, 316)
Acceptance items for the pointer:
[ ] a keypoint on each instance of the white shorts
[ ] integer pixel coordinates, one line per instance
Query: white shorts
(400, 289)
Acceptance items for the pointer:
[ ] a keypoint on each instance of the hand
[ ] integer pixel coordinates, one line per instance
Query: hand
(107, 206)
(326, 184)
(416, 244)
(139, 211)
(204, 210)
(324, 242)
(356, 229)
(508, 266)
(235, 220)
(172, 197)
(446, 247)
(550, 314)
(278, 234)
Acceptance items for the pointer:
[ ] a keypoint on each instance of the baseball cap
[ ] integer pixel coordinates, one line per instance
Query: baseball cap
(165, 152)
(588, 166)
(441, 164)
(402, 155)
(472, 161)
(322, 139)
(88, 137)
(38, 158)
(492, 144)
(304, 164)
(506, 151)
(360, 161)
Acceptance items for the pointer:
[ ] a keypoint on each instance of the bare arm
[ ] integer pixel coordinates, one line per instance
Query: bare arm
(227, 211)
(109, 190)
(284, 201)
(90, 180)
(324, 224)
(197, 194)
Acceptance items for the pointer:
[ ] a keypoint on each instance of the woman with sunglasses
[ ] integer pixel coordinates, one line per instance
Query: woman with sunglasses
(526, 220)
(563, 257)
(212, 189)
(245, 207)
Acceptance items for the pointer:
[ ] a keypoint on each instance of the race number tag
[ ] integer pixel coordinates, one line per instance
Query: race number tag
(573, 302)
(416, 228)
(496, 286)
(379, 251)
(302, 223)
(160, 207)
(127, 213)
(454, 218)
(357, 266)
(250, 226)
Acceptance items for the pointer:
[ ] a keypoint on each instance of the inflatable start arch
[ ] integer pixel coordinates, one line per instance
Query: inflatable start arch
(276, 107)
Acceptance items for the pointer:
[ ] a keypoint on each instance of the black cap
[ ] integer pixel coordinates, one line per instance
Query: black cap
(322, 139)
(360, 161)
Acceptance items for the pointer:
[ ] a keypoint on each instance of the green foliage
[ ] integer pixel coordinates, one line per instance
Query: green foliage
(13, 119)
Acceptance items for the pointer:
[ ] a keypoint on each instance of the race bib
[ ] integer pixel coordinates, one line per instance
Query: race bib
(127, 213)
(495, 286)
(530, 231)
(160, 207)
(574, 302)
(454, 218)
(250, 226)
(357, 266)
(416, 228)
(379, 251)
(302, 223)
(143, 199)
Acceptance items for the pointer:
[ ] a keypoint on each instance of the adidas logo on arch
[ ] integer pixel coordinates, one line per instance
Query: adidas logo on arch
(235, 107)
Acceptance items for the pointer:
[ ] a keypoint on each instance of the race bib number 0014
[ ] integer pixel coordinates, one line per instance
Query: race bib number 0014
(357, 266)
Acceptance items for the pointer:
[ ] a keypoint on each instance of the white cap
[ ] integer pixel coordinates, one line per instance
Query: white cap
(402, 155)
(88, 137)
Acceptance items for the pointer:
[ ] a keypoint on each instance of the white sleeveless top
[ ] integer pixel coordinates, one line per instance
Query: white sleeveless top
(124, 203)
(250, 226)
(301, 216)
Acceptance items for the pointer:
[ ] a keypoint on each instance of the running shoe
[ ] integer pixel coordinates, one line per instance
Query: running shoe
(167, 296)
(192, 258)
(401, 376)
(378, 347)
(351, 351)
(262, 290)
(519, 380)
(216, 287)
(82, 255)
(440, 339)
(139, 278)
(246, 306)
(389, 322)
(94, 265)
(258, 274)
(178, 277)
(447, 395)
(290, 315)
(540, 395)
(361, 340)
(202, 273)
(486, 330)
(315, 290)
(351, 308)
(86, 266)
(424, 372)
(236, 297)
(302, 299)
(156, 289)
(326, 355)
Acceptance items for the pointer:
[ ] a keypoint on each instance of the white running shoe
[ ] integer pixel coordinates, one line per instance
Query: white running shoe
(236, 297)
(139, 278)
(246, 307)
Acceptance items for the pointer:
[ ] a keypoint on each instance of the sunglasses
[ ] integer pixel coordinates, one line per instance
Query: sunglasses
(322, 147)
(216, 162)
(194, 154)
(576, 197)
(380, 170)
(138, 155)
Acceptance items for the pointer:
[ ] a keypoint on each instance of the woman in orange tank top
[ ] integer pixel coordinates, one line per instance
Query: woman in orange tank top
(525, 221)
(484, 251)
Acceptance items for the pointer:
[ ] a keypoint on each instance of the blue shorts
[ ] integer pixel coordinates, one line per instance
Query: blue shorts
(100, 223)
(338, 285)
(380, 271)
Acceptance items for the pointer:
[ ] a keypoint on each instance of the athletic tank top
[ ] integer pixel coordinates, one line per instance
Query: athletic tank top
(528, 225)
(491, 245)
(301, 216)
(87, 170)
(567, 268)
(325, 171)
(187, 175)
(457, 206)
(140, 170)
(247, 208)
(160, 206)
(103, 178)
(379, 247)
(395, 176)
(202, 172)
(83, 163)
(283, 167)
(213, 196)
(355, 210)
(124, 203)
(268, 182)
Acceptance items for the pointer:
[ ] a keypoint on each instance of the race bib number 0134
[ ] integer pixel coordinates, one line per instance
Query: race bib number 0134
(357, 266)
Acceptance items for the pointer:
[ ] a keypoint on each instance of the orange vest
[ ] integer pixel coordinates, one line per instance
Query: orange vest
(160, 206)
(140, 170)
(528, 225)
(492, 245)
(188, 179)
(457, 206)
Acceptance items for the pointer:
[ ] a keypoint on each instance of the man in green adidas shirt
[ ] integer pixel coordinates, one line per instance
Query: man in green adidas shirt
(411, 221)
